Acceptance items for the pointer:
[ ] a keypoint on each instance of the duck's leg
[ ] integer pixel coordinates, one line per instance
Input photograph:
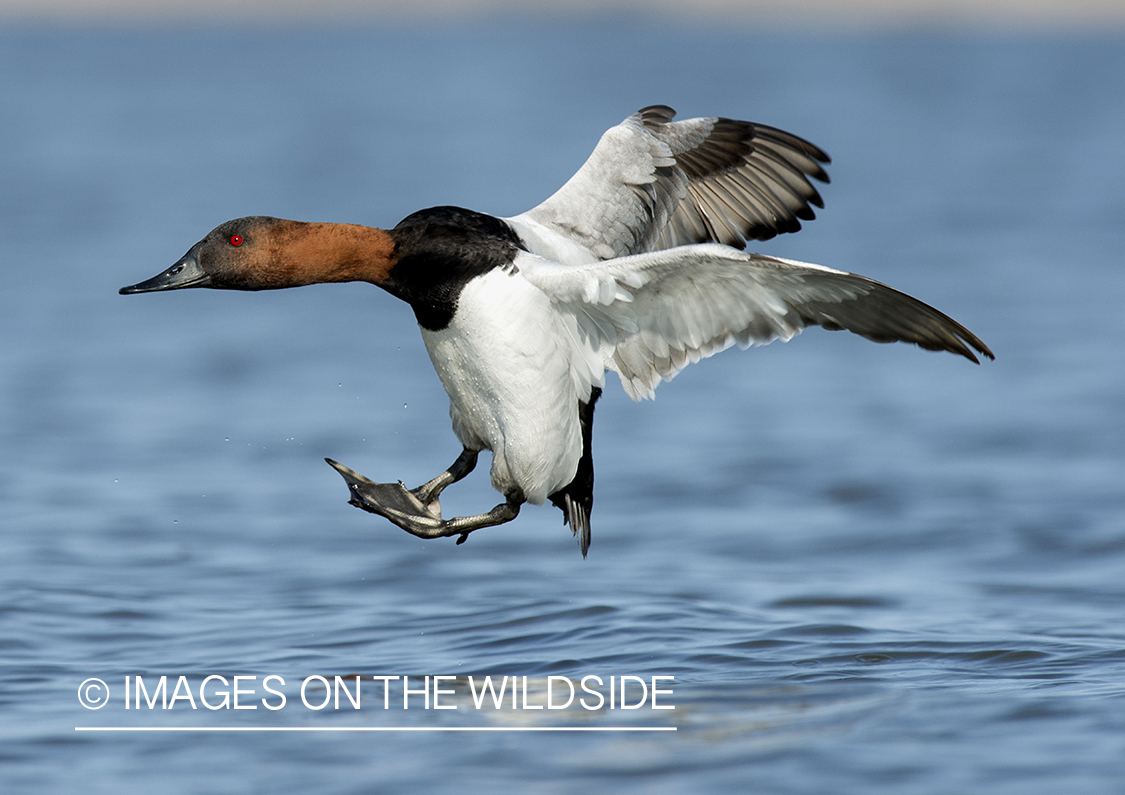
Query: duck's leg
(428, 493)
(418, 511)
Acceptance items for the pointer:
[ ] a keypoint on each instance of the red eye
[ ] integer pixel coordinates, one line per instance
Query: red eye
(235, 240)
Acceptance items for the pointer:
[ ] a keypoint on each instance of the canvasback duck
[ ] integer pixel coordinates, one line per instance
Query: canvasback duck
(635, 265)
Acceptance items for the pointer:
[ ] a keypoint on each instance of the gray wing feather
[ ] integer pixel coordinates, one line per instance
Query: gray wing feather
(653, 183)
(670, 308)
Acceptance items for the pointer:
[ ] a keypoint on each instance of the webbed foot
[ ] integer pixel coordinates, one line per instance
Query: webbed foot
(418, 511)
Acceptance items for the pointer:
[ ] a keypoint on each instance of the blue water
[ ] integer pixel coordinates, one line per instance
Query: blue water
(868, 568)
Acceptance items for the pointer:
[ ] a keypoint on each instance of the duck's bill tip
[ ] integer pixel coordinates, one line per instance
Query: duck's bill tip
(185, 273)
(153, 286)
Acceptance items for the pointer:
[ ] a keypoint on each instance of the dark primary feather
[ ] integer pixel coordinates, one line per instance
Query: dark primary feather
(652, 183)
(738, 180)
(884, 314)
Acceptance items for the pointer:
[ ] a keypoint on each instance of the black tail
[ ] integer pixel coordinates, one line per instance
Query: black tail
(576, 499)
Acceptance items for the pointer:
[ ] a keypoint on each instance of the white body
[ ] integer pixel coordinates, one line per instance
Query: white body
(505, 361)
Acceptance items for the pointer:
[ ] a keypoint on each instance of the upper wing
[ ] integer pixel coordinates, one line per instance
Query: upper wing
(650, 315)
(652, 183)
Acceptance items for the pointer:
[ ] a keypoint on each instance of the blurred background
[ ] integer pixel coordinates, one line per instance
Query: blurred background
(870, 568)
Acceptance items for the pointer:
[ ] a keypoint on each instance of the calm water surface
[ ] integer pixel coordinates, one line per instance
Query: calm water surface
(869, 568)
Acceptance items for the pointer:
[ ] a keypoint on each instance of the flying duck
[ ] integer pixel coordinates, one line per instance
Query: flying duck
(635, 265)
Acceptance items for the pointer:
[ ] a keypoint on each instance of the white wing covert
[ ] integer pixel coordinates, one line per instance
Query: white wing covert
(650, 315)
(652, 184)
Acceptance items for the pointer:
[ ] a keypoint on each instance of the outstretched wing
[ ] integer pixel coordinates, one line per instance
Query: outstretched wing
(652, 183)
(650, 315)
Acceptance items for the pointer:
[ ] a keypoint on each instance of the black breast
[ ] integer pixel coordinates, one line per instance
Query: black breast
(438, 251)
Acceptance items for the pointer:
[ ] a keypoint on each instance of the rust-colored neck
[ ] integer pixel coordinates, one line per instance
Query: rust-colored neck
(298, 253)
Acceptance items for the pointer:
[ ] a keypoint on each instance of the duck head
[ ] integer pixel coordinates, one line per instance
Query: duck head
(262, 253)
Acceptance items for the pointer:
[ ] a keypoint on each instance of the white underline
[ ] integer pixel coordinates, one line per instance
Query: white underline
(375, 728)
